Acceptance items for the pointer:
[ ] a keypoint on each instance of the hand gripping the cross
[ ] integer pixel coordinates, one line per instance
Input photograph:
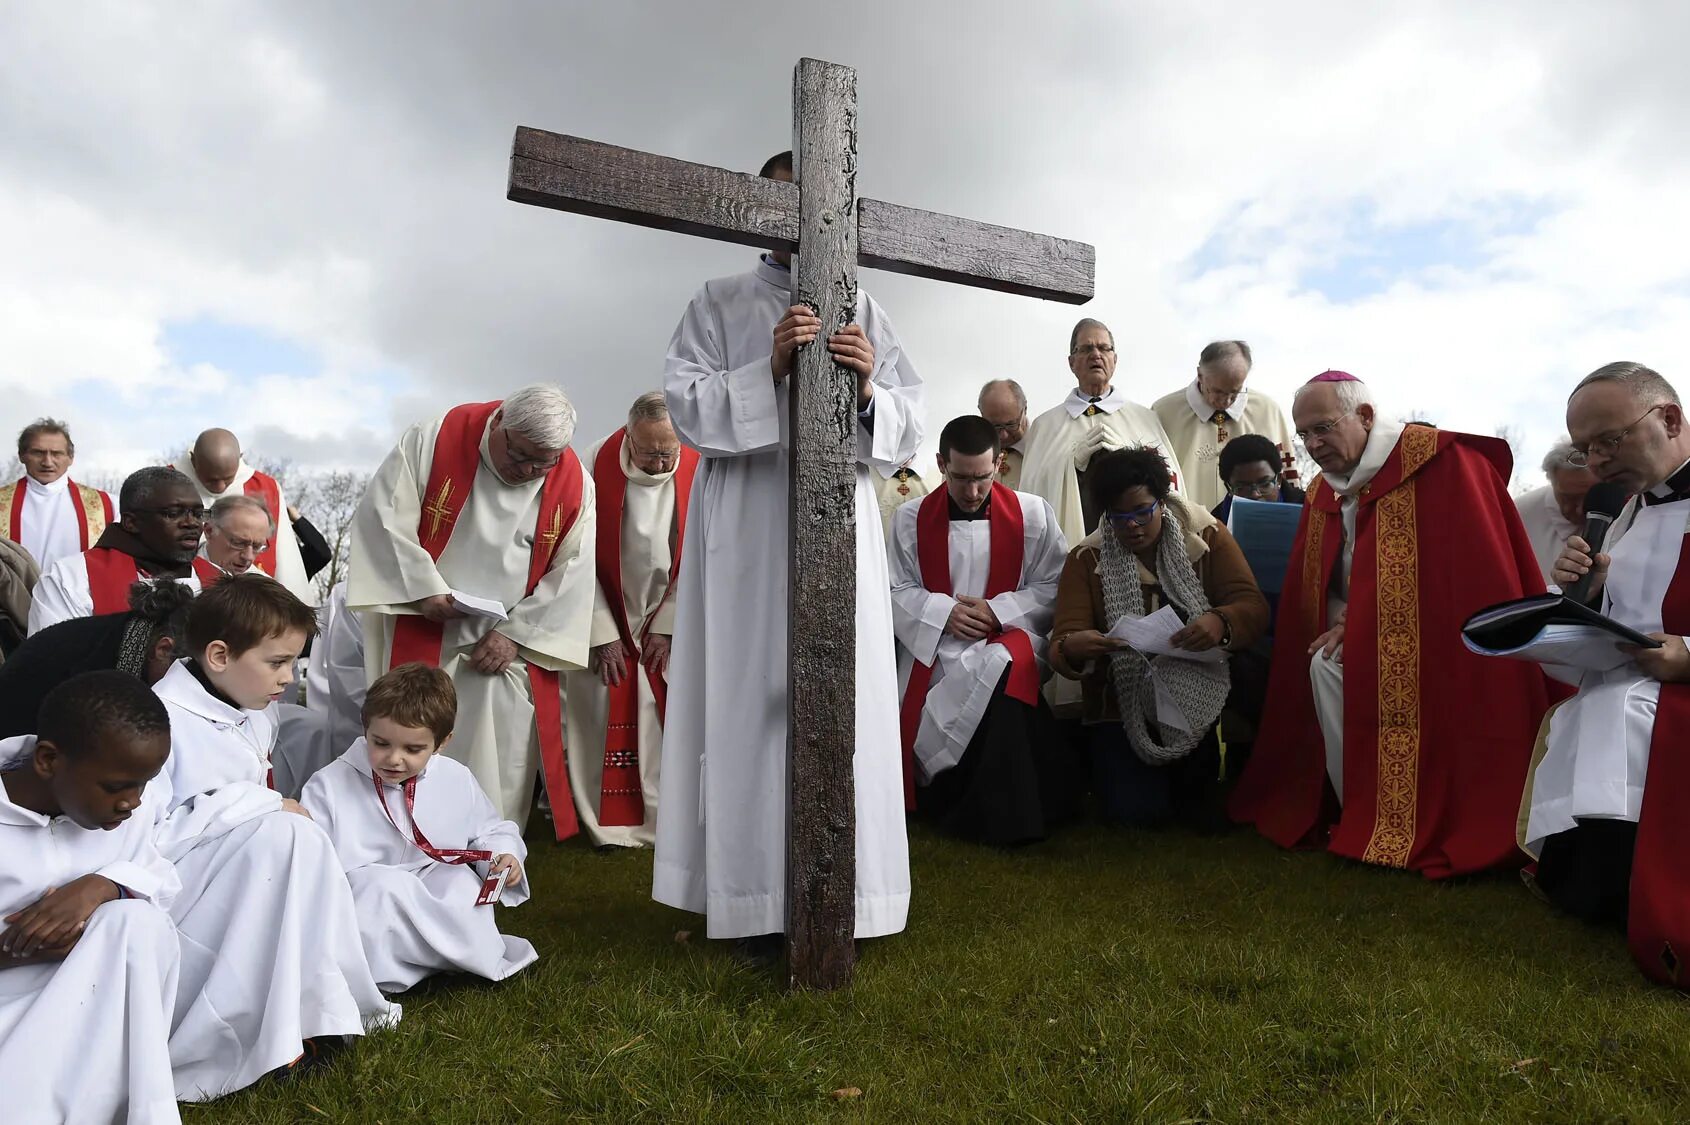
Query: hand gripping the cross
(850, 347)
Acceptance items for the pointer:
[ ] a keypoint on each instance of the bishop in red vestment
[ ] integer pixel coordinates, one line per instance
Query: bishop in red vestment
(1384, 739)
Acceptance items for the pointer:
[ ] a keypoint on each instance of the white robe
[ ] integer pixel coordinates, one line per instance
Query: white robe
(49, 528)
(488, 556)
(1054, 435)
(648, 543)
(721, 825)
(84, 1040)
(418, 916)
(1548, 529)
(1596, 755)
(1187, 420)
(290, 565)
(269, 935)
(891, 496)
(63, 592)
(1011, 464)
(335, 683)
(966, 673)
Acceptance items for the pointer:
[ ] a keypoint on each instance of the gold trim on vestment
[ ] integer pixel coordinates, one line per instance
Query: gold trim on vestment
(1314, 595)
(437, 509)
(1397, 592)
(93, 511)
(7, 492)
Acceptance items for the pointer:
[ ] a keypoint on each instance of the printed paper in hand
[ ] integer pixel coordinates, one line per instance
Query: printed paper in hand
(1150, 634)
(478, 607)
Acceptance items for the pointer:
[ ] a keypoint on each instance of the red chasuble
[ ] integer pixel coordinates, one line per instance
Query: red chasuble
(457, 457)
(93, 511)
(1437, 740)
(1003, 575)
(263, 487)
(111, 572)
(1659, 924)
(621, 800)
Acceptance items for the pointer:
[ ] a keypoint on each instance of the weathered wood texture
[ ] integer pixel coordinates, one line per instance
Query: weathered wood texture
(821, 864)
(589, 178)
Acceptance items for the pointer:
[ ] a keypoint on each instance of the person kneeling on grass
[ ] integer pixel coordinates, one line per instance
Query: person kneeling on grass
(1151, 719)
(423, 847)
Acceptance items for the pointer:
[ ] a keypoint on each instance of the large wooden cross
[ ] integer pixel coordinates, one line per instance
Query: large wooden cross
(832, 232)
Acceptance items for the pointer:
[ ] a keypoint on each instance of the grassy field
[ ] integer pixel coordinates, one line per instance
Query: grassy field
(1104, 976)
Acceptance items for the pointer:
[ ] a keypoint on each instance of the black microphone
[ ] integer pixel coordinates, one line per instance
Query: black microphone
(1601, 505)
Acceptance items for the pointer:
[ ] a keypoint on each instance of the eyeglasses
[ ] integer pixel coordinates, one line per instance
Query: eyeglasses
(1320, 429)
(1138, 517)
(1258, 486)
(523, 461)
(1100, 349)
(1579, 456)
(242, 546)
(669, 454)
(174, 513)
(1009, 427)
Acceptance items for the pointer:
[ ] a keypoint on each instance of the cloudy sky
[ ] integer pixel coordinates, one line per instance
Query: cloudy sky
(290, 218)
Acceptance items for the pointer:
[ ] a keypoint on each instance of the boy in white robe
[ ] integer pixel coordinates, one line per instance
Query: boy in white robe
(88, 971)
(271, 959)
(418, 837)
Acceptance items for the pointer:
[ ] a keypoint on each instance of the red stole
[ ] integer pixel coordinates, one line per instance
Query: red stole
(621, 800)
(1003, 575)
(1658, 929)
(457, 457)
(263, 487)
(1437, 740)
(111, 572)
(87, 503)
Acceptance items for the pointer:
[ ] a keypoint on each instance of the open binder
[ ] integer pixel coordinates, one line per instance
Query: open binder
(1551, 629)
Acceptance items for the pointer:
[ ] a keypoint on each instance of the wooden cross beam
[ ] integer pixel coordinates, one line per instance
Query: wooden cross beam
(832, 232)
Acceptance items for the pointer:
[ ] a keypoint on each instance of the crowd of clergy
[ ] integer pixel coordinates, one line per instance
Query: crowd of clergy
(208, 875)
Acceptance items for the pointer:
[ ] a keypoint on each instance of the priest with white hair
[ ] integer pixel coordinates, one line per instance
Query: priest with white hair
(1554, 513)
(219, 469)
(471, 551)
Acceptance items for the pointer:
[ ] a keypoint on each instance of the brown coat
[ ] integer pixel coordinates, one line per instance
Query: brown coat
(1220, 566)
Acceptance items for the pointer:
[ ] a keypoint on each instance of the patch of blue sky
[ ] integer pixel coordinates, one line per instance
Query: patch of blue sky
(239, 349)
(1358, 253)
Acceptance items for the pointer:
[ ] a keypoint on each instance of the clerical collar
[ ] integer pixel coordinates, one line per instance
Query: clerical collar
(1206, 413)
(1381, 440)
(1675, 487)
(771, 272)
(116, 538)
(1079, 403)
(958, 515)
(54, 489)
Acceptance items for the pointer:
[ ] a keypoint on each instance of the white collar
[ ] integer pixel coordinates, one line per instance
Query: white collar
(1110, 401)
(1381, 439)
(182, 687)
(770, 271)
(12, 750)
(358, 757)
(1020, 446)
(637, 475)
(57, 488)
(1205, 412)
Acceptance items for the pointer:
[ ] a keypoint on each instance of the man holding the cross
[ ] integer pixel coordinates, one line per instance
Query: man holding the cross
(722, 818)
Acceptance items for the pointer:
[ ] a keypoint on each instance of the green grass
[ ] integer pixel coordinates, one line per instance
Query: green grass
(1104, 976)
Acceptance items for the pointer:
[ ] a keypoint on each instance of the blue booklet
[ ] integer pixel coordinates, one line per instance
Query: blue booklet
(1265, 532)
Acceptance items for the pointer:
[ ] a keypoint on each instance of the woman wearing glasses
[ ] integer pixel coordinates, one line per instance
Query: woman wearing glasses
(1150, 719)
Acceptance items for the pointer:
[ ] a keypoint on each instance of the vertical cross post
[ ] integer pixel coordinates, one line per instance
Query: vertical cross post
(822, 405)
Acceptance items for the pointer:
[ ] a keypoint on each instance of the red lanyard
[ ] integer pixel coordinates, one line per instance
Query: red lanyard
(444, 855)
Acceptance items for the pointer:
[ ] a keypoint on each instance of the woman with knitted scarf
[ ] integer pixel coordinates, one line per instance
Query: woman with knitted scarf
(1153, 758)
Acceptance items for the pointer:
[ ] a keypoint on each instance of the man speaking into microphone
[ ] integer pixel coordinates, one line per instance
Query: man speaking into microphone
(1384, 739)
(1610, 850)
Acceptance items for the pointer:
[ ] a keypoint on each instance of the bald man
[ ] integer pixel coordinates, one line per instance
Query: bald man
(217, 468)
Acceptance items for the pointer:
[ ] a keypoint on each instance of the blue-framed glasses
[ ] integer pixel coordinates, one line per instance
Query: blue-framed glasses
(1138, 517)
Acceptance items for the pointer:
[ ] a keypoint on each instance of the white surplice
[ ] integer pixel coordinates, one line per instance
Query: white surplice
(1055, 435)
(488, 556)
(49, 528)
(84, 1039)
(335, 683)
(648, 554)
(290, 565)
(63, 592)
(270, 949)
(1548, 529)
(1189, 423)
(1597, 751)
(417, 916)
(966, 673)
(721, 827)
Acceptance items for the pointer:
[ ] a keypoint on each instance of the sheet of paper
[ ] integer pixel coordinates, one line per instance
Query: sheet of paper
(478, 607)
(1149, 635)
(1568, 646)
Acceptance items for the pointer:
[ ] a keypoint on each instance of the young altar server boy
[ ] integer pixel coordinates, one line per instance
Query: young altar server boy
(88, 956)
(419, 839)
(271, 962)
